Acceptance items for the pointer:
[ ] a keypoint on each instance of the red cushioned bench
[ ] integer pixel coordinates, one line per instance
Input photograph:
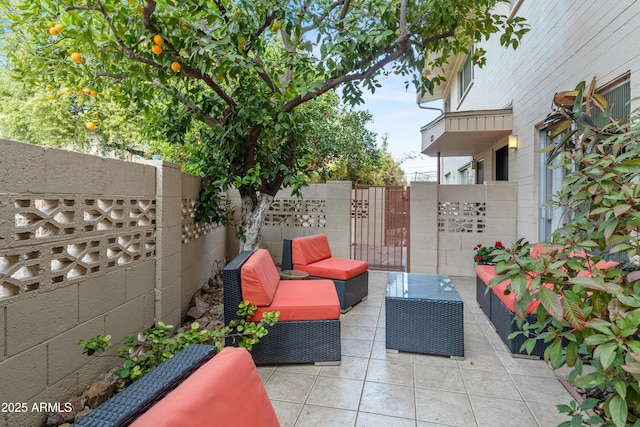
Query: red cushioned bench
(499, 307)
(308, 328)
(312, 254)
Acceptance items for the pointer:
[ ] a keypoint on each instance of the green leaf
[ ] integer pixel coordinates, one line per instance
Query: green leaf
(551, 301)
(618, 410)
(606, 353)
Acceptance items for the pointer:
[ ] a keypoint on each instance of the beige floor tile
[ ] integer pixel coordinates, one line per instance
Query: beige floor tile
(356, 348)
(339, 393)
(499, 412)
(487, 361)
(368, 320)
(489, 383)
(379, 351)
(354, 368)
(388, 399)
(547, 414)
(430, 359)
(443, 407)
(287, 412)
(375, 420)
(289, 386)
(541, 390)
(438, 377)
(390, 372)
(326, 417)
(357, 332)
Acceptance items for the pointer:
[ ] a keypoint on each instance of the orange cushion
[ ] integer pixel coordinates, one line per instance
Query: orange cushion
(335, 268)
(259, 278)
(225, 391)
(309, 249)
(486, 273)
(303, 300)
(510, 299)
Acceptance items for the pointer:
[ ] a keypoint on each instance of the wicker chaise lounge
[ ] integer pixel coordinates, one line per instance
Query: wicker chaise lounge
(308, 329)
(312, 254)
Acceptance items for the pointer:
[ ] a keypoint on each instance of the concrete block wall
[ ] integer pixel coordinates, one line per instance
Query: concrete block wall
(329, 209)
(437, 247)
(88, 246)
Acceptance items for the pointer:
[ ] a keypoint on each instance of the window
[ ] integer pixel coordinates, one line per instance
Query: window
(550, 183)
(502, 164)
(618, 95)
(465, 174)
(480, 171)
(466, 74)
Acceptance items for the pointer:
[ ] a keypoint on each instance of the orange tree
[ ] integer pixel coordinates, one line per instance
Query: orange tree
(242, 69)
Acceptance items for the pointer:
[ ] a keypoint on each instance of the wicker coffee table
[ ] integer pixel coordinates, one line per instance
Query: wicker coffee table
(424, 314)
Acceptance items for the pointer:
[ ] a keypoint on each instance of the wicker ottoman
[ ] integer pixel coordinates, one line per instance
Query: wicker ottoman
(424, 314)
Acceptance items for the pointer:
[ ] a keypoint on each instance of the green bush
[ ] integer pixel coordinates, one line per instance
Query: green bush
(593, 307)
(156, 344)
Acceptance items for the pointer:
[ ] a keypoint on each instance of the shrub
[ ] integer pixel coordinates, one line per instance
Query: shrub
(156, 344)
(594, 318)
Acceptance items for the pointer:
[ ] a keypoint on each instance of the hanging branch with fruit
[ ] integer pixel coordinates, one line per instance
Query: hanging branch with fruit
(238, 76)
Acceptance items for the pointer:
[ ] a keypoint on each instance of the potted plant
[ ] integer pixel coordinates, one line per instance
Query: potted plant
(485, 254)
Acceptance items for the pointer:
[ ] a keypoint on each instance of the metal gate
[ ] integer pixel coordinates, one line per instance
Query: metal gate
(380, 235)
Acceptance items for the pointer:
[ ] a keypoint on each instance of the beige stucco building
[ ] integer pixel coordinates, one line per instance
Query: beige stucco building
(568, 42)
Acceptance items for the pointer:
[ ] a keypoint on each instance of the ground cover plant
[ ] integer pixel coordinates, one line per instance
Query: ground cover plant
(589, 310)
(235, 75)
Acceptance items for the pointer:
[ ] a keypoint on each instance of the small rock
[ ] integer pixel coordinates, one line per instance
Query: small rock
(101, 389)
(200, 302)
(81, 414)
(55, 419)
(196, 312)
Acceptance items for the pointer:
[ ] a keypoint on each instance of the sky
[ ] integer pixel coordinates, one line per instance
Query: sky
(396, 113)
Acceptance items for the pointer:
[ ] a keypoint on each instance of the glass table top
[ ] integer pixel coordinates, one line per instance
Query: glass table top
(421, 286)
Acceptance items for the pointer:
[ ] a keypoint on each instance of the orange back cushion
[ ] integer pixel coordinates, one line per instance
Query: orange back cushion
(226, 391)
(259, 278)
(310, 249)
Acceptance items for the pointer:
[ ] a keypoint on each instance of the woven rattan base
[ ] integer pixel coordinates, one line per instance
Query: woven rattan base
(424, 320)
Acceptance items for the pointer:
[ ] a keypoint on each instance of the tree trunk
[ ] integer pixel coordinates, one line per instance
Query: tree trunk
(254, 211)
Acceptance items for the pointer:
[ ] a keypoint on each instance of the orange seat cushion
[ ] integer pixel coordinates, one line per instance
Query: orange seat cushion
(510, 299)
(310, 249)
(335, 268)
(303, 300)
(225, 391)
(259, 278)
(486, 273)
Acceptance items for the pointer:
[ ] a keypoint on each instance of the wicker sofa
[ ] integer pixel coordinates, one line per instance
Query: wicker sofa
(193, 388)
(498, 306)
(312, 254)
(308, 329)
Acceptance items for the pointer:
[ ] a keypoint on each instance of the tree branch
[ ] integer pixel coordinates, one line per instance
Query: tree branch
(345, 9)
(147, 11)
(192, 107)
(265, 75)
(402, 49)
(323, 16)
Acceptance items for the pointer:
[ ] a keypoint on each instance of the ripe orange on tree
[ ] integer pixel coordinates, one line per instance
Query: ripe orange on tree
(76, 57)
(157, 49)
(175, 66)
(157, 39)
(90, 125)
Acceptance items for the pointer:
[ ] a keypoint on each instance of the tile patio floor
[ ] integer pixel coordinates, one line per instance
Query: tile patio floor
(374, 388)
